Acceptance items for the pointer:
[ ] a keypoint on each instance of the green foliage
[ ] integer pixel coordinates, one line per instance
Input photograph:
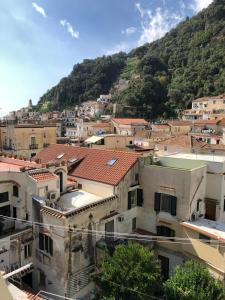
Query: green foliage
(130, 273)
(193, 281)
(86, 82)
(187, 63)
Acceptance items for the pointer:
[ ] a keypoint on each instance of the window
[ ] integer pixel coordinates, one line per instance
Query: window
(134, 224)
(33, 140)
(5, 210)
(165, 231)
(14, 212)
(42, 278)
(27, 251)
(164, 261)
(214, 101)
(166, 203)
(223, 101)
(4, 197)
(15, 191)
(45, 243)
(204, 238)
(132, 199)
(111, 162)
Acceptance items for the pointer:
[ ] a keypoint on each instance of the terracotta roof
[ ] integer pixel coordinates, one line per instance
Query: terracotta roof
(125, 121)
(205, 122)
(101, 125)
(160, 126)
(179, 123)
(94, 163)
(19, 162)
(42, 176)
(183, 141)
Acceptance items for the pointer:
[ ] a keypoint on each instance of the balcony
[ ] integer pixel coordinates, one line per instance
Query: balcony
(33, 146)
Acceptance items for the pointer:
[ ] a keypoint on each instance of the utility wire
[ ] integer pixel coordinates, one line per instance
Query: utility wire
(128, 236)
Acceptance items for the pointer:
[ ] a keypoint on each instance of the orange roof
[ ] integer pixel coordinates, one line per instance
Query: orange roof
(101, 125)
(206, 122)
(160, 126)
(183, 141)
(179, 123)
(94, 164)
(42, 176)
(125, 121)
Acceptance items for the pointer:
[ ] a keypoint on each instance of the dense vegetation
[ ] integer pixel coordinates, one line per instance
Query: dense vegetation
(133, 272)
(193, 281)
(188, 62)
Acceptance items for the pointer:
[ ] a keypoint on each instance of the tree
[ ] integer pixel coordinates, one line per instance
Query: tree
(132, 272)
(193, 281)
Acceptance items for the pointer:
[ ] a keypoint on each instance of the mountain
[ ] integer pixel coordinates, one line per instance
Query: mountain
(165, 75)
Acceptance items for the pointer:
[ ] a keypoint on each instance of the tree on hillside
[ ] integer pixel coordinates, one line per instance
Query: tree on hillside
(193, 281)
(132, 272)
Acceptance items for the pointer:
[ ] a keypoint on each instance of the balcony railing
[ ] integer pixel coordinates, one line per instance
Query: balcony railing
(33, 146)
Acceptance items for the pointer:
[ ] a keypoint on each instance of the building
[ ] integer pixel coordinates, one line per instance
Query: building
(104, 179)
(128, 126)
(179, 127)
(206, 108)
(183, 201)
(110, 141)
(27, 139)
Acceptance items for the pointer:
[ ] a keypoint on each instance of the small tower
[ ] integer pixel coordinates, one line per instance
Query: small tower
(30, 105)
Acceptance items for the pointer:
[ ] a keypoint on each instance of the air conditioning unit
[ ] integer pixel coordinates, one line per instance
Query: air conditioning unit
(194, 216)
(52, 195)
(120, 218)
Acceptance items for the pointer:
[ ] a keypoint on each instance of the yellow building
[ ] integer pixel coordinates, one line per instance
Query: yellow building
(26, 139)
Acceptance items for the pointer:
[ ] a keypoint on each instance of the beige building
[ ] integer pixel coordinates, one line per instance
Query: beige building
(110, 141)
(27, 139)
(184, 200)
(206, 108)
(125, 126)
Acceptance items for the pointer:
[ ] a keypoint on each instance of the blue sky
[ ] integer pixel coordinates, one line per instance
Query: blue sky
(41, 40)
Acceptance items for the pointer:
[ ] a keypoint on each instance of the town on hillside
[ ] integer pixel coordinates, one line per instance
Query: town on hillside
(78, 183)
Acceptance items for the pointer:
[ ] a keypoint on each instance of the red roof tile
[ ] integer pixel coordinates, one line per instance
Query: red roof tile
(93, 163)
(205, 122)
(125, 121)
(179, 123)
(43, 176)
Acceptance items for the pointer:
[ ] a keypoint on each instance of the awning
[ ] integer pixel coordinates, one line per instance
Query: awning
(93, 139)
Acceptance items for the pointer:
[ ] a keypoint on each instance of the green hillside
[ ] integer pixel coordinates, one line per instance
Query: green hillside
(188, 62)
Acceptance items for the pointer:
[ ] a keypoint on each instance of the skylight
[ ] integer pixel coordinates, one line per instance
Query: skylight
(72, 160)
(111, 162)
(60, 155)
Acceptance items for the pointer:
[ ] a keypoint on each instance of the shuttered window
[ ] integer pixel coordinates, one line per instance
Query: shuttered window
(165, 231)
(166, 203)
(139, 197)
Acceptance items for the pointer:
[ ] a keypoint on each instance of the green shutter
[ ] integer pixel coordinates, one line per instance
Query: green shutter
(129, 200)
(139, 197)
(173, 200)
(41, 241)
(157, 202)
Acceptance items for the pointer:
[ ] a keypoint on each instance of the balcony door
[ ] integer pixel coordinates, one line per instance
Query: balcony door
(210, 210)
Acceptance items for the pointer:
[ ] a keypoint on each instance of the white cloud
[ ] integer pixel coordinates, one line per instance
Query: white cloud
(129, 30)
(74, 33)
(39, 9)
(198, 5)
(156, 25)
(117, 48)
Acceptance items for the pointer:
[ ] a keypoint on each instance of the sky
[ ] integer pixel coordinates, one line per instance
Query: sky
(41, 40)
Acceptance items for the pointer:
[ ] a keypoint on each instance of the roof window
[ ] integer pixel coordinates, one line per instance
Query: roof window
(111, 162)
(60, 155)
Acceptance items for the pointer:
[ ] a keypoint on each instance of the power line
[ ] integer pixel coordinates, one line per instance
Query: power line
(129, 236)
(131, 290)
